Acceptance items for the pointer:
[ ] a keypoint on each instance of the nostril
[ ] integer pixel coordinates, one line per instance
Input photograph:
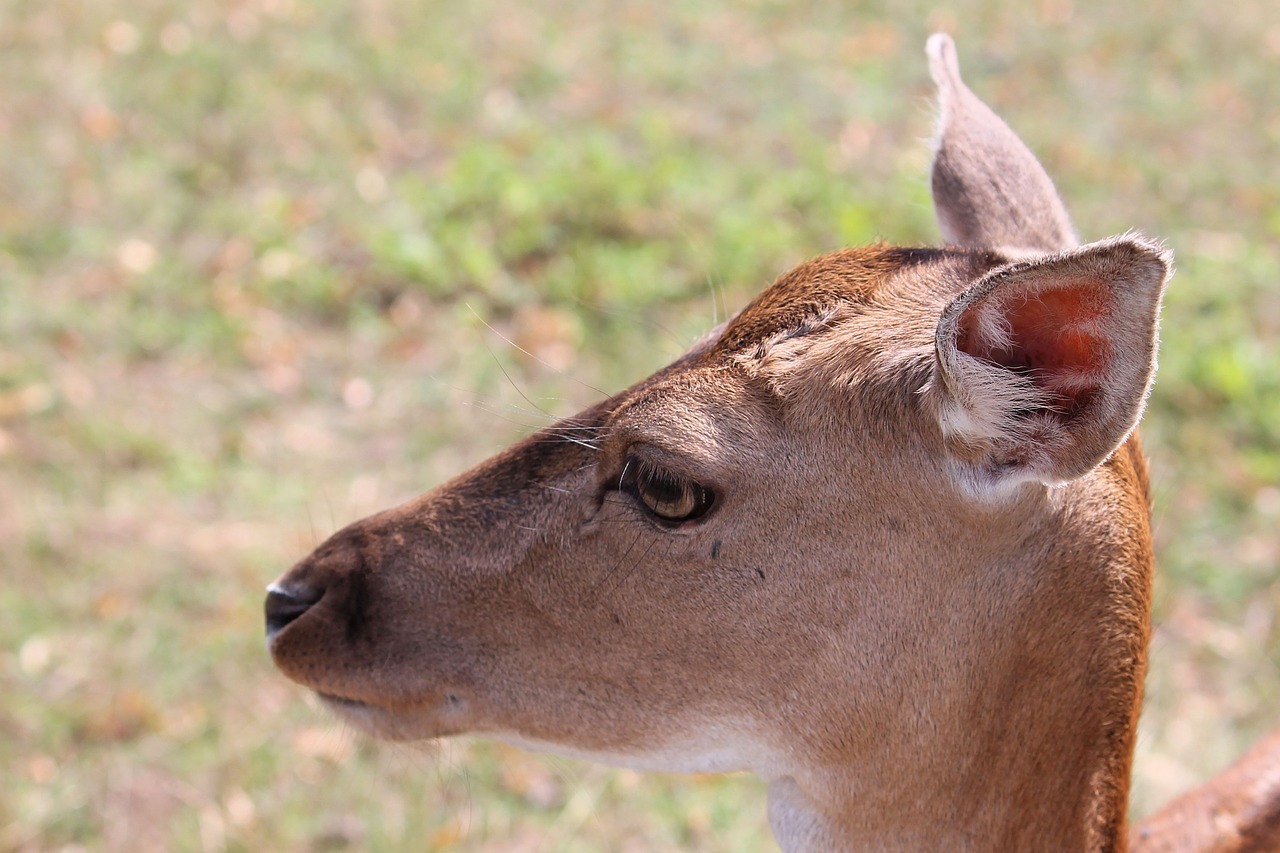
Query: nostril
(285, 605)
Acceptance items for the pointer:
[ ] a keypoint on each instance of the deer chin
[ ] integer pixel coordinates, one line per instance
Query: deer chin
(443, 714)
(718, 748)
(714, 748)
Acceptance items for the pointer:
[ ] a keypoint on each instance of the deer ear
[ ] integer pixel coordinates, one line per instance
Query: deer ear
(1045, 364)
(989, 191)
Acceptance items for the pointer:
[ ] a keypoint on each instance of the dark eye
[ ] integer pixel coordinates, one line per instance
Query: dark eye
(664, 495)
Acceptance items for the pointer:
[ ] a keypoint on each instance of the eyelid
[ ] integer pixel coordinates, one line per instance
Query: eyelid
(641, 478)
(640, 450)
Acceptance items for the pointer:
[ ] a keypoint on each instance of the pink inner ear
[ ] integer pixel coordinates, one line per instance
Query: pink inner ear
(1055, 335)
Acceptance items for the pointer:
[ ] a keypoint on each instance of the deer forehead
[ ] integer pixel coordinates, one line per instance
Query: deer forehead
(849, 278)
(703, 415)
(843, 342)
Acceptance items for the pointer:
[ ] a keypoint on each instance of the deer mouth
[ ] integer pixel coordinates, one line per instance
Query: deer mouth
(442, 715)
(364, 717)
(334, 701)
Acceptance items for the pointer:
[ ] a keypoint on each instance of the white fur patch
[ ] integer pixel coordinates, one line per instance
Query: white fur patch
(716, 748)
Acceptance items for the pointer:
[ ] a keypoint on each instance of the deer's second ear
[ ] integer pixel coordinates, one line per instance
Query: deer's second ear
(1045, 365)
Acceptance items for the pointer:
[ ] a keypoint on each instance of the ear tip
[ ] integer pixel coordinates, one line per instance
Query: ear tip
(944, 62)
(1157, 251)
(1157, 247)
(938, 43)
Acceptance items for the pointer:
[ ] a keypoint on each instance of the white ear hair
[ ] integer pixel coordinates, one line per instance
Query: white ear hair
(1046, 364)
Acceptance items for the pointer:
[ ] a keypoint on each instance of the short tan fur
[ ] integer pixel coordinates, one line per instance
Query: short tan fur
(882, 538)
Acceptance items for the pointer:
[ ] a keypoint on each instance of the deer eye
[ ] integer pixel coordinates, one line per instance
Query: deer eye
(666, 496)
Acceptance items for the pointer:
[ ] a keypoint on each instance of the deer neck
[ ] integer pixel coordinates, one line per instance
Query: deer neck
(1016, 720)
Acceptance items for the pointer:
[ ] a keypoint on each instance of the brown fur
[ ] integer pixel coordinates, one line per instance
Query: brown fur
(921, 639)
(1237, 811)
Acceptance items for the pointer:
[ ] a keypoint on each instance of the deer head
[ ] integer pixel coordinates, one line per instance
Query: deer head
(881, 538)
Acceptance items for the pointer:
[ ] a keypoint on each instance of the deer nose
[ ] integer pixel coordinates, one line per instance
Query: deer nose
(283, 605)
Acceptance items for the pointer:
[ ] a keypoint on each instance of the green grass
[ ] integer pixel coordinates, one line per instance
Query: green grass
(258, 266)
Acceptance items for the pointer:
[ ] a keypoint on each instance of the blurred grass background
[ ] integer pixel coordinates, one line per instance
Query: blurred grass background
(258, 260)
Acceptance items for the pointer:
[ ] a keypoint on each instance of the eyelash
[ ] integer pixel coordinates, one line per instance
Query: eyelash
(666, 497)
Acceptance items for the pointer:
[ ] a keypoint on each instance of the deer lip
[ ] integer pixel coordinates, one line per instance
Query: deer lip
(342, 701)
(397, 724)
(438, 717)
(364, 716)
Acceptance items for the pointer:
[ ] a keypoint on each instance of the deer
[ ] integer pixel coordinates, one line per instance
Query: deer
(882, 538)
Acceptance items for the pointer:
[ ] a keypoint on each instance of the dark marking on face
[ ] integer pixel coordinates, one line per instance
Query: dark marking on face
(715, 549)
(358, 609)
